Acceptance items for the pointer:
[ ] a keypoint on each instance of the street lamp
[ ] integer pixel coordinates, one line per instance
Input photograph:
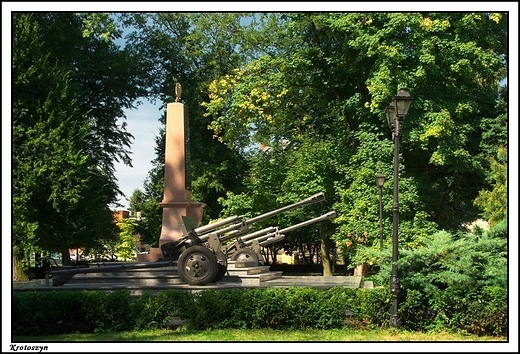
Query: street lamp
(395, 114)
(380, 180)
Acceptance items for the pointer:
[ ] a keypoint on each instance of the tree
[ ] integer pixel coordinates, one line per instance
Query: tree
(330, 76)
(190, 49)
(125, 248)
(278, 100)
(67, 99)
(494, 151)
(442, 274)
(452, 63)
(318, 84)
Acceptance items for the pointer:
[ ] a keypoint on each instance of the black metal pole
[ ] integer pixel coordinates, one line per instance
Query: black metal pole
(380, 217)
(394, 282)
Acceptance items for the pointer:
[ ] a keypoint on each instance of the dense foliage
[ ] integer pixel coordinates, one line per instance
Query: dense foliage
(69, 92)
(281, 106)
(60, 312)
(295, 104)
(452, 280)
(316, 93)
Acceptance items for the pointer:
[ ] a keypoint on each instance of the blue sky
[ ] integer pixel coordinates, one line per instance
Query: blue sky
(143, 124)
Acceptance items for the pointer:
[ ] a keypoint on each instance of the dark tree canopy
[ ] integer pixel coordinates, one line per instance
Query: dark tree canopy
(69, 92)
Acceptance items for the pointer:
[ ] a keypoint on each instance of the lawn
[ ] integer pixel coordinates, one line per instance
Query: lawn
(266, 335)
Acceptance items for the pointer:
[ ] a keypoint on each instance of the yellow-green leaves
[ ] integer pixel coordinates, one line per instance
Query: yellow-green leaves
(101, 25)
(435, 25)
(496, 17)
(246, 100)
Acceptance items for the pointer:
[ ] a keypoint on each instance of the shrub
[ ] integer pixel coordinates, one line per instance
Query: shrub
(482, 311)
(61, 312)
(218, 309)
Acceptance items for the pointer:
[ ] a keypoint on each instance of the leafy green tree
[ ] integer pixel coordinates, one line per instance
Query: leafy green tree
(443, 272)
(330, 75)
(67, 100)
(301, 79)
(281, 99)
(494, 201)
(191, 49)
(149, 211)
(494, 151)
(125, 247)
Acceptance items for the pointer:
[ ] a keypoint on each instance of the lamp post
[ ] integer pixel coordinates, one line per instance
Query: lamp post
(380, 180)
(395, 114)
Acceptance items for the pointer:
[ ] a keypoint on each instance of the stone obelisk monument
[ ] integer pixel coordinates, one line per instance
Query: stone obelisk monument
(176, 201)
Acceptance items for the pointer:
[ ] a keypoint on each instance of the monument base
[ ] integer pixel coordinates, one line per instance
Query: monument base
(154, 255)
(172, 224)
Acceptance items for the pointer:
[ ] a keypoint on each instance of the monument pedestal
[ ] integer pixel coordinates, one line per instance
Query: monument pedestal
(172, 219)
(176, 201)
(171, 229)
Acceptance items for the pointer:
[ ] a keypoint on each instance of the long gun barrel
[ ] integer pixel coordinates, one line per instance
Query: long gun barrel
(271, 240)
(264, 238)
(329, 215)
(239, 229)
(250, 235)
(310, 200)
(213, 226)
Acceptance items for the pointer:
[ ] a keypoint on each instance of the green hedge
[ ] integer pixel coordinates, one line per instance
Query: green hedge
(60, 312)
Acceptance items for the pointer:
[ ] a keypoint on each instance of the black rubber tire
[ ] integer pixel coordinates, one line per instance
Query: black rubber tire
(197, 265)
(245, 255)
(222, 266)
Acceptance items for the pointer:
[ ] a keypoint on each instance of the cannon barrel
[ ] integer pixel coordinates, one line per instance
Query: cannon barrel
(329, 215)
(310, 200)
(250, 235)
(238, 228)
(271, 240)
(234, 230)
(213, 226)
(261, 238)
(231, 228)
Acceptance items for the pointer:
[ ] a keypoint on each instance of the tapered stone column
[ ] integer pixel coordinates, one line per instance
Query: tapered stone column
(177, 196)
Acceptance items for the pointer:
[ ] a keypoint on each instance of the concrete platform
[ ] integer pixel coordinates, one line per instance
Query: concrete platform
(138, 289)
(163, 278)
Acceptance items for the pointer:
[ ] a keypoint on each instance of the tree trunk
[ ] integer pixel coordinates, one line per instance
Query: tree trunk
(19, 271)
(325, 253)
(65, 257)
(361, 270)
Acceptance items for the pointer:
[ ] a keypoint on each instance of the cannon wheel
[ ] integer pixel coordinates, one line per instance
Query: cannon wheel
(197, 265)
(245, 255)
(222, 266)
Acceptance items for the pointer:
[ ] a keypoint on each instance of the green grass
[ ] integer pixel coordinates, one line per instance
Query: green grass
(265, 335)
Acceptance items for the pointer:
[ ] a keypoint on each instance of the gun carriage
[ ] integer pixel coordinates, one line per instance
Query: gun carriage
(201, 254)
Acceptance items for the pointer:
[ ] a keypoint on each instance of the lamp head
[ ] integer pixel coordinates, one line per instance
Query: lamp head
(402, 102)
(380, 179)
(390, 116)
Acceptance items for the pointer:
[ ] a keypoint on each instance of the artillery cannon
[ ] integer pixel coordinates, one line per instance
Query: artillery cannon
(191, 250)
(247, 248)
(201, 254)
